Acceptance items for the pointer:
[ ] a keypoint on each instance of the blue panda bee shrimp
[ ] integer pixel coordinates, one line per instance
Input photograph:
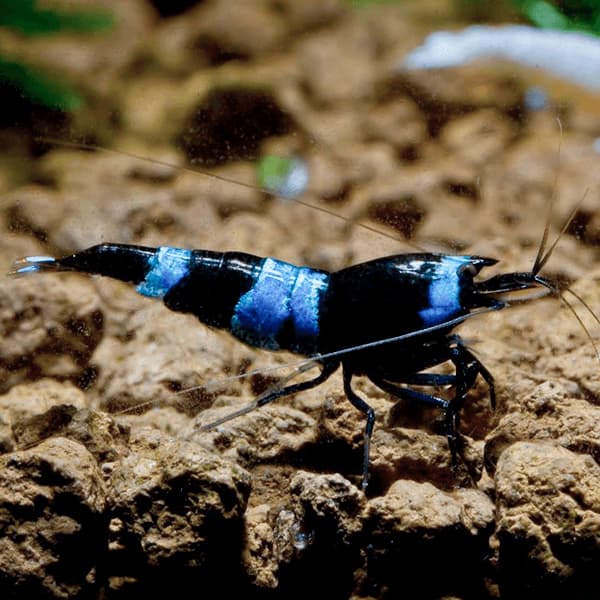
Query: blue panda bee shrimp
(403, 309)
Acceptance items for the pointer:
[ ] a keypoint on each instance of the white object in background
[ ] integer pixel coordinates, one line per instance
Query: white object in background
(570, 55)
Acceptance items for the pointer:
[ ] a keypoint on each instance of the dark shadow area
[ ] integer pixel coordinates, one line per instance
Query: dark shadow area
(230, 124)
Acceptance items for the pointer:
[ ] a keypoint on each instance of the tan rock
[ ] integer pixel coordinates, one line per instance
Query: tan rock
(52, 502)
(548, 503)
(174, 505)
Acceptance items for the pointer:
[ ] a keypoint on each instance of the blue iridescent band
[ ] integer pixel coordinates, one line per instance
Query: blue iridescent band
(166, 268)
(282, 294)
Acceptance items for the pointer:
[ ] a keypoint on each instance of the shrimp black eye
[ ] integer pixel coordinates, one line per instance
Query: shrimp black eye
(469, 270)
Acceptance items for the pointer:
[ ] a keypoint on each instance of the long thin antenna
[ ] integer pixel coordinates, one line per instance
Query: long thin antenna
(580, 321)
(542, 247)
(584, 303)
(544, 255)
(539, 264)
(258, 400)
(590, 312)
(224, 179)
(314, 360)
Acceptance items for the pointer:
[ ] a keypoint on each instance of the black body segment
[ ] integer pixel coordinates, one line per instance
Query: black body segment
(213, 285)
(119, 261)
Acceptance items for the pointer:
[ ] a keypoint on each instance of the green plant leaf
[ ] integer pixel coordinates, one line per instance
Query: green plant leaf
(581, 15)
(25, 17)
(40, 88)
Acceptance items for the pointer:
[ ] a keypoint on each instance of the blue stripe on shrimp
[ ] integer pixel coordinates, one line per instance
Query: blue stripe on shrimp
(166, 268)
(444, 290)
(281, 309)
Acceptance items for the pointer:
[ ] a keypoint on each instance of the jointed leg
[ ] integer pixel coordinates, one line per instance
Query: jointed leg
(414, 395)
(468, 366)
(359, 403)
(277, 391)
(429, 379)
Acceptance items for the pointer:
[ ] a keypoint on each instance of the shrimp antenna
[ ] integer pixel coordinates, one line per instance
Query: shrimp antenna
(541, 260)
(307, 363)
(542, 247)
(543, 256)
(224, 179)
(590, 312)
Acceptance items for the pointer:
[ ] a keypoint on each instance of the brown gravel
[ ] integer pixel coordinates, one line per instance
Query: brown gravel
(107, 485)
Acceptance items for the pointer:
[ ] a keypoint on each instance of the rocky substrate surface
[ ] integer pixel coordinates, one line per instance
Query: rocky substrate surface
(108, 486)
